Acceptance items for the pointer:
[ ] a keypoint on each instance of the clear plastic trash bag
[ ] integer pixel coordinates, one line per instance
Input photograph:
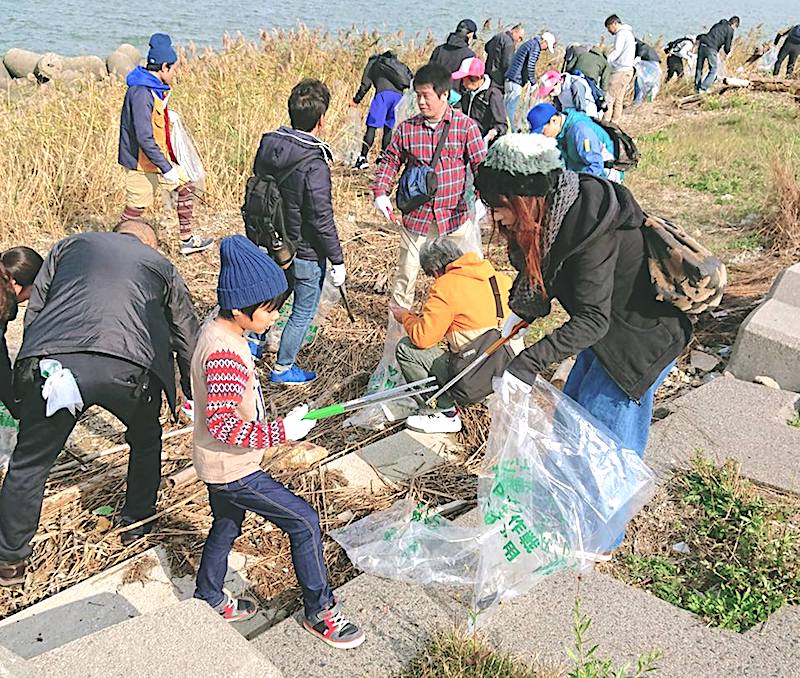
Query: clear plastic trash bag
(766, 64)
(648, 77)
(9, 427)
(350, 141)
(185, 151)
(555, 486)
(407, 106)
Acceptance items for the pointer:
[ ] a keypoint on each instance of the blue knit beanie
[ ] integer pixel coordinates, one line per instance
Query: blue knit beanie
(247, 275)
(161, 50)
(539, 116)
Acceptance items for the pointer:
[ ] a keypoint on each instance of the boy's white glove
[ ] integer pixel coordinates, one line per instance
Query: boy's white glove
(384, 206)
(512, 320)
(173, 176)
(294, 426)
(338, 274)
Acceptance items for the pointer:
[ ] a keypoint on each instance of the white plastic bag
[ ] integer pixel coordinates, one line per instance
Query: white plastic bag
(766, 63)
(555, 486)
(185, 152)
(329, 297)
(60, 390)
(9, 427)
(648, 77)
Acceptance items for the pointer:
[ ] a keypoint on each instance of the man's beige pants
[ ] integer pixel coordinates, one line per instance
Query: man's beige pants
(408, 264)
(618, 87)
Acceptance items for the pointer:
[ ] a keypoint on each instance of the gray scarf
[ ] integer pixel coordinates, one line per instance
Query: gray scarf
(526, 302)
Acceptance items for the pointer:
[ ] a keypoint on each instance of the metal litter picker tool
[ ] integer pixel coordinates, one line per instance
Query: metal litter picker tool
(483, 356)
(398, 393)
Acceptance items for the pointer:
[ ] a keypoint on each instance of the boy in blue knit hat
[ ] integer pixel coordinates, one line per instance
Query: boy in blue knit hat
(145, 149)
(229, 440)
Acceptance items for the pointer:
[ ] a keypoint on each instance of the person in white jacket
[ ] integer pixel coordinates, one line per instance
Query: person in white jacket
(621, 62)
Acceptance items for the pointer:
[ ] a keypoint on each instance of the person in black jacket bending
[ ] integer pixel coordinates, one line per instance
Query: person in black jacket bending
(482, 100)
(389, 76)
(452, 52)
(719, 37)
(19, 267)
(578, 238)
(112, 310)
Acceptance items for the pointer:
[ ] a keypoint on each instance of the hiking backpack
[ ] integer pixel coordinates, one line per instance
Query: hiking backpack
(626, 153)
(684, 273)
(395, 71)
(598, 94)
(264, 216)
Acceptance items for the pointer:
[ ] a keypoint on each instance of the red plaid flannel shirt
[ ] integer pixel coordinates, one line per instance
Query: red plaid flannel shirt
(464, 147)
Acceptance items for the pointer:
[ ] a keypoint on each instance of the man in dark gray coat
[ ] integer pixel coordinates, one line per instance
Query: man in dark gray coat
(500, 53)
(112, 310)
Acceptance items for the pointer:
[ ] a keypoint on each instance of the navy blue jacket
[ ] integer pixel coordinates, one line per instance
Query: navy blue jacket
(523, 68)
(306, 191)
(136, 121)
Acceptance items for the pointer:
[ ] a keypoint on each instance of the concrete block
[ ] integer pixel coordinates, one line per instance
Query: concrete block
(140, 585)
(728, 418)
(768, 342)
(13, 666)
(357, 472)
(405, 454)
(780, 633)
(185, 639)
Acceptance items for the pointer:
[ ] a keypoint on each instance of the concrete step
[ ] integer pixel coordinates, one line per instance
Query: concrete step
(781, 632)
(732, 418)
(13, 666)
(184, 639)
(140, 585)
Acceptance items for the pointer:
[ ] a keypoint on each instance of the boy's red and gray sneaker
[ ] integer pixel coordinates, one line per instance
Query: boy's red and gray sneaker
(236, 609)
(12, 574)
(195, 244)
(331, 627)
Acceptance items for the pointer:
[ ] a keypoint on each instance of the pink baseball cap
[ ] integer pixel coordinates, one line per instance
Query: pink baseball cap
(471, 66)
(547, 83)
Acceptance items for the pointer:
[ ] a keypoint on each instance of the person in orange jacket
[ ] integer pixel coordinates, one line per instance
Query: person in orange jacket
(459, 308)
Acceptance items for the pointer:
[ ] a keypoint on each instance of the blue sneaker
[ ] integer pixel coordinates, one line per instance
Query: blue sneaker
(294, 375)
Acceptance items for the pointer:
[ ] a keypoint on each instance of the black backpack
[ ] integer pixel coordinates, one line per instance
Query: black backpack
(625, 150)
(264, 216)
(395, 71)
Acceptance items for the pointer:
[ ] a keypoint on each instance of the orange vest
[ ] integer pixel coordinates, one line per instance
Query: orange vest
(160, 130)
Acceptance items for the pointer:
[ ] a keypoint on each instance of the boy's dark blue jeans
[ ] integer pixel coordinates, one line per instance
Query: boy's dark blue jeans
(259, 493)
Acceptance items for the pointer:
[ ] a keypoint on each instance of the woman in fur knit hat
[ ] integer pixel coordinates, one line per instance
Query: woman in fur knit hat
(578, 238)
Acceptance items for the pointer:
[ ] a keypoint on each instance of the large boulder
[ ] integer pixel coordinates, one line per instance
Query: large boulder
(20, 62)
(55, 67)
(123, 60)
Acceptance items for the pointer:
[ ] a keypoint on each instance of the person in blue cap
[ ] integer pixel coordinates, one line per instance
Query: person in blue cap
(584, 145)
(145, 149)
(228, 446)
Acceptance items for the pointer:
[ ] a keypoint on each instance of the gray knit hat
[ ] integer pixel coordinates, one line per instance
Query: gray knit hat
(519, 164)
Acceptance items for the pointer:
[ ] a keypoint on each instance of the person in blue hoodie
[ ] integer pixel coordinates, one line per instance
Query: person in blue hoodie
(302, 161)
(584, 145)
(145, 149)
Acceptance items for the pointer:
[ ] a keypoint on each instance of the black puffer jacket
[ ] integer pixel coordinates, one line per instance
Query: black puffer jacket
(451, 53)
(486, 107)
(306, 192)
(110, 293)
(598, 271)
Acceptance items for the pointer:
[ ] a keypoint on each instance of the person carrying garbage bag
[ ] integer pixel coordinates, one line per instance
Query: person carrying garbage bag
(578, 238)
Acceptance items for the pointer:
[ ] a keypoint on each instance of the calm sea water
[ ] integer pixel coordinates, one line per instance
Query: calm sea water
(99, 26)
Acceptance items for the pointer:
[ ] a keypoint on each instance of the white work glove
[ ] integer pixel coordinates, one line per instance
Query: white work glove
(338, 275)
(294, 426)
(384, 206)
(507, 386)
(511, 321)
(173, 176)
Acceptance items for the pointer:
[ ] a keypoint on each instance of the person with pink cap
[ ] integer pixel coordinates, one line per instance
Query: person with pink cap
(482, 99)
(569, 92)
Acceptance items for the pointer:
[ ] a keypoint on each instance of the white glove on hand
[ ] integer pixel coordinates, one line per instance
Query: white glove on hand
(338, 275)
(173, 176)
(509, 325)
(188, 409)
(384, 206)
(508, 385)
(294, 426)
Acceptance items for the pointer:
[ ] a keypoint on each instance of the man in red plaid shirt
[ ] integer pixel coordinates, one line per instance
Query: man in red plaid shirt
(447, 213)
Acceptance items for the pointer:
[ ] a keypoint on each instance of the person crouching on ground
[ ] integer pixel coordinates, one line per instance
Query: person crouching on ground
(585, 146)
(482, 100)
(578, 238)
(145, 149)
(302, 162)
(568, 92)
(229, 445)
(461, 306)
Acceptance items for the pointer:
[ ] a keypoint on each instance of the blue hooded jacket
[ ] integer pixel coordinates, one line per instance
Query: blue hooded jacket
(136, 120)
(584, 145)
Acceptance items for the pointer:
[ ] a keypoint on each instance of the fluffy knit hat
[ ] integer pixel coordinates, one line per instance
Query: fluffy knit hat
(161, 50)
(247, 275)
(519, 164)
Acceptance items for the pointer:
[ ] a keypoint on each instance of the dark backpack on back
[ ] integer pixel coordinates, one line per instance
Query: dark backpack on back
(625, 150)
(395, 71)
(264, 216)
(598, 94)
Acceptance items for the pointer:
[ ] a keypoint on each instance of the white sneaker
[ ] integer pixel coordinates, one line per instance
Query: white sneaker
(438, 422)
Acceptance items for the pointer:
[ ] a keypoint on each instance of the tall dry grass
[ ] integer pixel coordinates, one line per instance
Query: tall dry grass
(782, 229)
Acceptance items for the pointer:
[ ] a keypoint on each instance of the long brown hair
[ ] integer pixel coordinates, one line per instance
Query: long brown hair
(530, 212)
